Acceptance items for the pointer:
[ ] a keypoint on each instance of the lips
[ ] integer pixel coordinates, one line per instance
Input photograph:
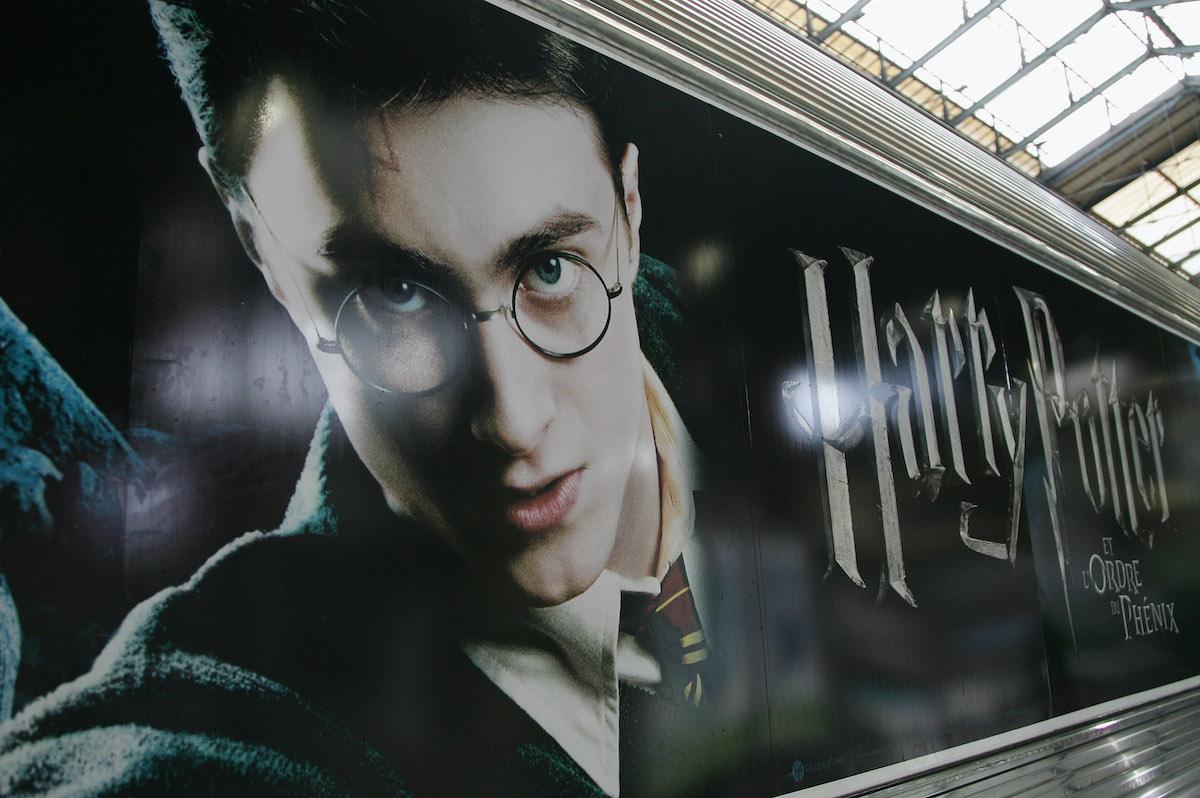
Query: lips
(547, 506)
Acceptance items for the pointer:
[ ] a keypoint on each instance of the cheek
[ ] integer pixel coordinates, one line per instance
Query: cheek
(624, 360)
(384, 428)
(609, 392)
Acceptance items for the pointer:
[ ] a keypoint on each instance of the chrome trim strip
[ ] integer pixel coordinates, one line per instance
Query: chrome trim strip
(735, 58)
(1135, 740)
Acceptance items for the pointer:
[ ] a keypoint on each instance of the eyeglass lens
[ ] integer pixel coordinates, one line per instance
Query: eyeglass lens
(407, 338)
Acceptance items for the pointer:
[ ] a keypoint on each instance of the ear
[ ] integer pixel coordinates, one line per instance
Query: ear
(632, 199)
(244, 222)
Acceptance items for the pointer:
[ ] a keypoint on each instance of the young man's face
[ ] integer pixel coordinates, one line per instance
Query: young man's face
(539, 471)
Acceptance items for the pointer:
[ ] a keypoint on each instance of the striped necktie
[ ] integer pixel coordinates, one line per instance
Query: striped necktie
(669, 626)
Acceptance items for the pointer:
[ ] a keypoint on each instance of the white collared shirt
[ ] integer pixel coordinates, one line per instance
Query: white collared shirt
(563, 664)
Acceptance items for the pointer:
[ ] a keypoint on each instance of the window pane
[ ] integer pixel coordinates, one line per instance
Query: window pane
(1184, 166)
(1050, 21)
(824, 9)
(1166, 220)
(1182, 245)
(981, 58)
(1183, 19)
(1107, 47)
(1131, 93)
(1135, 197)
(912, 33)
(1034, 99)
(1083, 126)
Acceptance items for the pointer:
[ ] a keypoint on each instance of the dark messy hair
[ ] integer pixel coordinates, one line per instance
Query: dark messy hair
(359, 55)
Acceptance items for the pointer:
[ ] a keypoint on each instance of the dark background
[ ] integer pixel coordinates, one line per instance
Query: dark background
(116, 253)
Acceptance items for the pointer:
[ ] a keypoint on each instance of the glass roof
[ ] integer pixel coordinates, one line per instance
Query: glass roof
(1043, 83)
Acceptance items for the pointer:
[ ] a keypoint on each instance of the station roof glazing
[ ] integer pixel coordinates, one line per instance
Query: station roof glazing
(1100, 100)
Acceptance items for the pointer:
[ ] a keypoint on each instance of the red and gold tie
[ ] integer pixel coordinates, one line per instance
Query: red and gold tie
(669, 626)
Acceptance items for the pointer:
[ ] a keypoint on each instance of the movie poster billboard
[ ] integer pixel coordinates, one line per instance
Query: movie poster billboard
(477, 415)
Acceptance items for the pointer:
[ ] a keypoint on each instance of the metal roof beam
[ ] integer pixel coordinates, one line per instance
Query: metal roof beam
(1141, 5)
(968, 23)
(1187, 49)
(1180, 191)
(1174, 233)
(1182, 259)
(1145, 138)
(1029, 66)
(1082, 101)
(1153, 16)
(852, 13)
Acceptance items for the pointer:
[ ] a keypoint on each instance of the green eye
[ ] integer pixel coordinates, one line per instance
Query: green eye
(549, 271)
(551, 276)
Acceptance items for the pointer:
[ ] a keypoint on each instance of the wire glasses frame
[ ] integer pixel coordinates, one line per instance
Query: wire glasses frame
(451, 328)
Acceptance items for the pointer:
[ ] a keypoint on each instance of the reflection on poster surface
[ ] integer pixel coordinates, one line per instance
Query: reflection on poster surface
(603, 457)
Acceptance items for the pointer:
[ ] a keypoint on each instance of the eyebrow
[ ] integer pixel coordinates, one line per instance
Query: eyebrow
(351, 243)
(553, 230)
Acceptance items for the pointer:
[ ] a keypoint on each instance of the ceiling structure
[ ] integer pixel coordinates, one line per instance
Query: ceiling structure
(1097, 99)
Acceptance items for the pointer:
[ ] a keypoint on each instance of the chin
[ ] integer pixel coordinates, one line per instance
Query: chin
(549, 595)
(549, 586)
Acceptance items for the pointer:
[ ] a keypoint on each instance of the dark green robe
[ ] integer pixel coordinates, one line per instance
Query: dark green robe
(312, 660)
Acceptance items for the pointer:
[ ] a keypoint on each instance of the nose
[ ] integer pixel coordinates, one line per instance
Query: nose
(515, 402)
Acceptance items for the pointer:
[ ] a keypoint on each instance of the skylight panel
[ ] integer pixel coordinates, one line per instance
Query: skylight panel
(1130, 93)
(825, 9)
(981, 58)
(1158, 37)
(1079, 129)
(1168, 219)
(1100, 52)
(831, 9)
(1191, 266)
(1183, 19)
(862, 34)
(912, 34)
(1135, 197)
(1182, 245)
(1110, 64)
(1184, 166)
(1034, 98)
(1174, 65)
(1049, 21)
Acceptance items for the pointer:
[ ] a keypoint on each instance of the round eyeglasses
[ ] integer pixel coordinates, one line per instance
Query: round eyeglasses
(404, 337)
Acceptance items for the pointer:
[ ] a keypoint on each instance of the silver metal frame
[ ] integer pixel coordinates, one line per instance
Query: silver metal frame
(1144, 741)
(735, 58)
(732, 57)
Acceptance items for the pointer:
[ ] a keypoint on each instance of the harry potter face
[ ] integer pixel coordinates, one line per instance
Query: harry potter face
(538, 470)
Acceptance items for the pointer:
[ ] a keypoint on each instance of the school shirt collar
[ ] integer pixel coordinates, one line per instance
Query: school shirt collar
(562, 665)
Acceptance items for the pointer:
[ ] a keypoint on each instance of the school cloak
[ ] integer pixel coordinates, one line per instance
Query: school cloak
(311, 660)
